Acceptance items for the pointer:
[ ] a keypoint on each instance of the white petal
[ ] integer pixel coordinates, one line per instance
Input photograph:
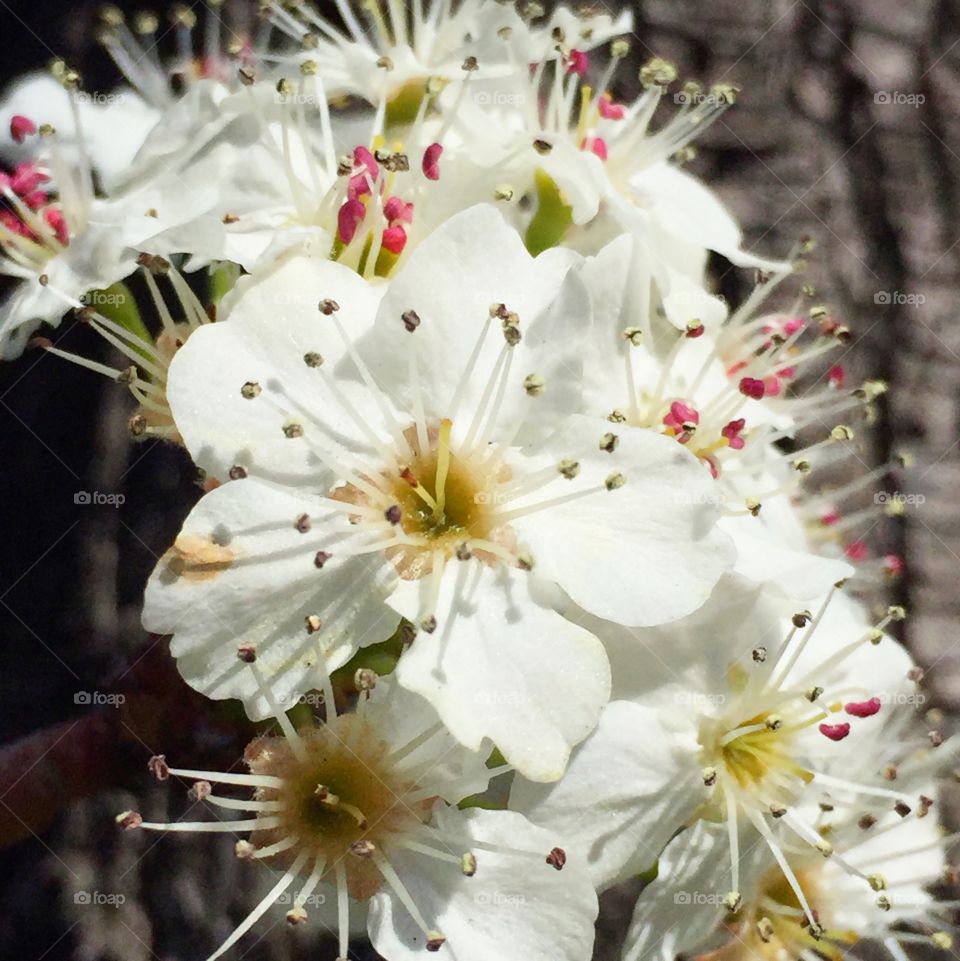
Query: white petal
(451, 280)
(449, 769)
(645, 553)
(513, 907)
(241, 573)
(629, 787)
(272, 321)
(501, 666)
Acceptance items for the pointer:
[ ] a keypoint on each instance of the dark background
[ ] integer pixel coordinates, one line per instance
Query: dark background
(829, 139)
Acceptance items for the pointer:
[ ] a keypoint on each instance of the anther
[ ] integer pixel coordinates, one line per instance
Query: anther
(129, 820)
(614, 481)
(557, 858)
(902, 808)
(428, 625)
(525, 562)
(363, 848)
(765, 930)
(365, 679)
(617, 417)
(709, 775)
(328, 306)
(759, 654)
(292, 431)
(609, 442)
(200, 791)
(435, 940)
(866, 822)
(634, 335)
(313, 359)
(393, 514)
(463, 552)
(813, 694)
(468, 864)
(411, 320)
(503, 192)
(542, 147)
(302, 524)
(247, 653)
(883, 902)
(313, 623)
(244, 850)
(657, 72)
(802, 618)
(296, 915)
(777, 810)
(158, 767)
(824, 847)
(732, 901)
(568, 468)
(877, 882)
(533, 384)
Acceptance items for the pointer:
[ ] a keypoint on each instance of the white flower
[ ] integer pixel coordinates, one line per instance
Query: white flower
(113, 126)
(735, 715)
(388, 52)
(892, 853)
(364, 807)
(592, 169)
(426, 449)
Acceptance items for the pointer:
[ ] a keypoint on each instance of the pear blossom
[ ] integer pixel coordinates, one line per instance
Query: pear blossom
(744, 714)
(891, 857)
(387, 52)
(364, 806)
(422, 438)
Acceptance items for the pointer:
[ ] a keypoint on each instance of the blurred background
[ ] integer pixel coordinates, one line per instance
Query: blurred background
(847, 130)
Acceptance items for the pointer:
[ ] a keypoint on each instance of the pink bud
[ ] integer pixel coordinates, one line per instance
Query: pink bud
(56, 220)
(394, 239)
(751, 387)
(26, 178)
(21, 128)
(397, 210)
(856, 551)
(831, 518)
(836, 376)
(836, 732)
(597, 146)
(893, 565)
(732, 432)
(863, 708)
(349, 217)
(431, 161)
(679, 415)
(366, 171)
(578, 62)
(610, 110)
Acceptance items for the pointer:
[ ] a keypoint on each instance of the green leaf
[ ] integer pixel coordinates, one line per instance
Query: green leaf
(223, 276)
(118, 304)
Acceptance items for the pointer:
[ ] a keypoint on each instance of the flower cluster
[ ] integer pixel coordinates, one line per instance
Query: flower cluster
(537, 522)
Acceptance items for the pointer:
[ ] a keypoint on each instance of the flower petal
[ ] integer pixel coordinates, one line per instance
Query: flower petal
(241, 572)
(502, 666)
(513, 907)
